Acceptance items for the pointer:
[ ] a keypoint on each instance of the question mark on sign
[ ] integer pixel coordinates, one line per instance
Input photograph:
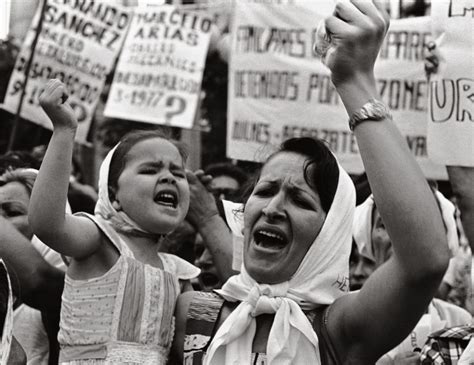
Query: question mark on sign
(171, 102)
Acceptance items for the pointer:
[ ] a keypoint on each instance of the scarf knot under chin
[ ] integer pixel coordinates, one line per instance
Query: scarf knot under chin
(264, 299)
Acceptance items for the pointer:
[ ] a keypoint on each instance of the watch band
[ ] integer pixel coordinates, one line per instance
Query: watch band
(374, 110)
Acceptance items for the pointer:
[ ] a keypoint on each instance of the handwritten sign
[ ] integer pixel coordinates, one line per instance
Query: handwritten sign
(78, 44)
(279, 89)
(159, 73)
(451, 107)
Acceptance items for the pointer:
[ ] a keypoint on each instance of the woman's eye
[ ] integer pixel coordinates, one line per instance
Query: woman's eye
(303, 203)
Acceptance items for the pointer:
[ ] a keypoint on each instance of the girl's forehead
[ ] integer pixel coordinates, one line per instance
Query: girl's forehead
(156, 149)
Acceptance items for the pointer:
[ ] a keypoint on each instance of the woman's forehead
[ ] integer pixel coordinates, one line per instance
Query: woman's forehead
(13, 191)
(284, 165)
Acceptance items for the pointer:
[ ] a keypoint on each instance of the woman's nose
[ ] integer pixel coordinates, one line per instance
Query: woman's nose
(274, 209)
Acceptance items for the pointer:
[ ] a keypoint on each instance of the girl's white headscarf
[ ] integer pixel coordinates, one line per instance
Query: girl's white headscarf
(104, 208)
(321, 278)
(362, 227)
(7, 331)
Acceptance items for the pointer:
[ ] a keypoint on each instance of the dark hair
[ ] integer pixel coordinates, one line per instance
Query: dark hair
(119, 158)
(227, 169)
(321, 171)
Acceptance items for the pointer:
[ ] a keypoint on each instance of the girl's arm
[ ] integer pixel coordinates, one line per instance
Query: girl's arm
(72, 236)
(367, 324)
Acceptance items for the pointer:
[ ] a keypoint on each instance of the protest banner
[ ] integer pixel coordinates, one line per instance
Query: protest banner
(451, 106)
(159, 72)
(279, 89)
(78, 44)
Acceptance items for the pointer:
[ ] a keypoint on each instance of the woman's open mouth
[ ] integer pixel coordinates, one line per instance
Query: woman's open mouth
(270, 239)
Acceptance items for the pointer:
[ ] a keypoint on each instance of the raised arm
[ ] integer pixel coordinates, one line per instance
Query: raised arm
(396, 295)
(203, 214)
(69, 235)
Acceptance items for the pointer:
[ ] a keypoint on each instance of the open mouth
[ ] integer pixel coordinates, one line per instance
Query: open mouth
(271, 240)
(167, 198)
(209, 280)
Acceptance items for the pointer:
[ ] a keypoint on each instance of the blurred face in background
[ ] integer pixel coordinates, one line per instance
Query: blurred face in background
(208, 279)
(360, 266)
(14, 202)
(224, 187)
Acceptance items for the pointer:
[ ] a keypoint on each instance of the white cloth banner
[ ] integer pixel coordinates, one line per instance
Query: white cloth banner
(159, 73)
(279, 89)
(451, 107)
(78, 44)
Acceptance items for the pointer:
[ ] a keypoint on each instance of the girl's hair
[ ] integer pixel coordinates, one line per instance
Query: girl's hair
(119, 158)
(321, 171)
(25, 177)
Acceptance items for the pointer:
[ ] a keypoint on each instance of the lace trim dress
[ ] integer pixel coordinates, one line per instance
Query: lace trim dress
(125, 316)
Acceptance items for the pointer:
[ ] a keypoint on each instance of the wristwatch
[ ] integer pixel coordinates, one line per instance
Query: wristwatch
(374, 110)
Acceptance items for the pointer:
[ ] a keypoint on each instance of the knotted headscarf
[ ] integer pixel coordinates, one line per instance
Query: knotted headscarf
(104, 208)
(7, 330)
(362, 227)
(321, 278)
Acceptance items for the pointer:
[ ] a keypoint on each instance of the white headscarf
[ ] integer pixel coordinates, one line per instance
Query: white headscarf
(362, 227)
(7, 331)
(104, 208)
(321, 278)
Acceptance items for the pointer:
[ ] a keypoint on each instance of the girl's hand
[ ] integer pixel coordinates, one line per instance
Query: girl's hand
(356, 29)
(53, 100)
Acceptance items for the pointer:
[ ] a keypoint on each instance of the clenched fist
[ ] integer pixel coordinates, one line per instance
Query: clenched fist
(53, 100)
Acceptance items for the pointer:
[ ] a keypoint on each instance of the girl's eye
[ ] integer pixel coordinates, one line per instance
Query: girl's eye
(148, 171)
(180, 174)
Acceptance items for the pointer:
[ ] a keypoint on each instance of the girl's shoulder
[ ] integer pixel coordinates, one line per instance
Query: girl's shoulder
(180, 268)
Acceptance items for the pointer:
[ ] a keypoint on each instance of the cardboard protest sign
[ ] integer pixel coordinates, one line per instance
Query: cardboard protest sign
(78, 44)
(279, 89)
(159, 73)
(451, 107)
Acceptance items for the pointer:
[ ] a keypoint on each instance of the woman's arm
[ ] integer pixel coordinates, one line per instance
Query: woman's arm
(204, 216)
(69, 235)
(395, 296)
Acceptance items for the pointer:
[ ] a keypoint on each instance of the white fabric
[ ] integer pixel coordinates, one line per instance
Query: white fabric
(467, 357)
(235, 219)
(317, 281)
(7, 331)
(29, 331)
(362, 227)
(118, 219)
(440, 315)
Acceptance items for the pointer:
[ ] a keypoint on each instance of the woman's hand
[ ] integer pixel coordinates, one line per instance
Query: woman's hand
(53, 100)
(356, 29)
(431, 60)
(202, 203)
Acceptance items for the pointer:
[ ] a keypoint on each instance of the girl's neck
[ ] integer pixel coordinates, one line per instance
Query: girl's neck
(145, 249)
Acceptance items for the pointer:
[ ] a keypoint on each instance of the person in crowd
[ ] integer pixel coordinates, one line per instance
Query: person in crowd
(11, 351)
(119, 292)
(374, 248)
(289, 304)
(453, 345)
(35, 326)
(227, 180)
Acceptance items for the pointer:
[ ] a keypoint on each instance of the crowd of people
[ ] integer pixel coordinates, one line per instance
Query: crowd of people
(142, 271)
